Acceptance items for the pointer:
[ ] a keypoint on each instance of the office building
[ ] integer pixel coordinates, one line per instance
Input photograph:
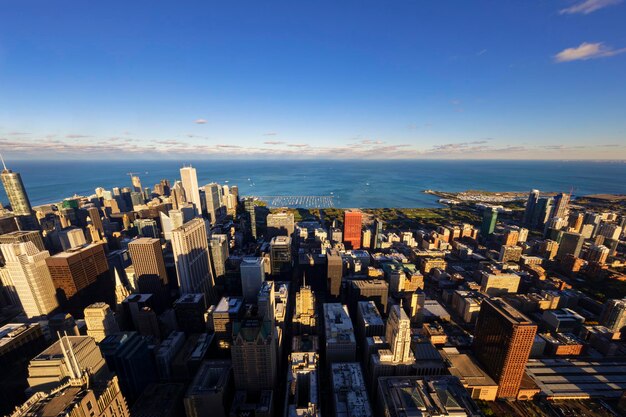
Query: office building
(29, 277)
(348, 391)
(437, 396)
(305, 316)
(189, 181)
(476, 381)
(398, 335)
(223, 316)
(502, 343)
(613, 315)
(369, 321)
(21, 236)
(488, 225)
(252, 277)
(302, 397)
(127, 354)
(531, 206)
(339, 336)
(257, 404)
(352, 224)
(561, 205)
(563, 320)
(571, 244)
(100, 321)
(598, 254)
(498, 284)
(72, 237)
(16, 193)
(192, 259)
(376, 290)
(280, 256)
(160, 400)
(147, 228)
(219, 255)
(149, 265)
(254, 354)
(166, 352)
(211, 391)
(279, 224)
(213, 202)
(79, 396)
(334, 265)
(77, 269)
(64, 359)
(190, 310)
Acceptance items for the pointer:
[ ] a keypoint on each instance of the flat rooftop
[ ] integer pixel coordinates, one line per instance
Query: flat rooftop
(508, 311)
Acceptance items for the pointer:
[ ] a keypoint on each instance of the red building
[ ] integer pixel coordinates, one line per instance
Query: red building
(352, 222)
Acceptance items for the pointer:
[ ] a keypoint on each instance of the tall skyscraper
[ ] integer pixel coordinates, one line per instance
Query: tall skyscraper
(192, 258)
(377, 235)
(280, 224)
(305, 316)
(190, 184)
(334, 274)
(531, 205)
(147, 256)
(252, 277)
(561, 205)
(280, 255)
(571, 244)
(136, 184)
(398, 334)
(352, 223)
(219, 255)
(29, 275)
(16, 193)
(502, 342)
(213, 202)
(490, 217)
(250, 208)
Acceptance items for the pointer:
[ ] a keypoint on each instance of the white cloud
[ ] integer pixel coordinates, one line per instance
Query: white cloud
(589, 6)
(200, 121)
(587, 51)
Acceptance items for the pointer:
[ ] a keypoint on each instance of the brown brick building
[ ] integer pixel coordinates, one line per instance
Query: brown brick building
(77, 268)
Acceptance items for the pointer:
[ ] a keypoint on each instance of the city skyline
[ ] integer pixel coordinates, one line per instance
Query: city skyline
(491, 80)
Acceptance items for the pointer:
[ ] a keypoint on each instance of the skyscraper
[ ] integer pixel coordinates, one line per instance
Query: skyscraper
(531, 205)
(614, 315)
(279, 224)
(219, 255)
(16, 193)
(213, 202)
(190, 184)
(192, 258)
(280, 255)
(29, 275)
(147, 256)
(352, 223)
(100, 321)
(398, 335)
(571, 244)
(490, 217)
(378, 231)
(334, 274)
(561, 205)
(502, 342)
(252, 277)
(305, 316)
(136, 184)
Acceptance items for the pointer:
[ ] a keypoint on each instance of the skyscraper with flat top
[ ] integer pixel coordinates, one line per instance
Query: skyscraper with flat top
(531, 205)
(190, 184)
(561, 205)
(147, 257)
(502, 343)
(352, 223)
(29, 275)
(490, 217)
(192, 258)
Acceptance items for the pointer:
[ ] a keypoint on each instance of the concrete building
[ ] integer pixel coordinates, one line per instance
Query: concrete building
(334, 274)
(502, 342)
(72, 238)
(280, 256)
(348, 391)
(479, 385)
(29, 278)
(302, 397)
(340, 341)
(563, 320)
(211, 391)
(614, 315)
(279, 224)
(376, 290)
(223, 316)
(150, 274)
(191, 256)
(213, 202)
(498, 284)
(100, 321)
(219, 255)
(369, 321)
(64, 360)
(189, 180)
(190, 310)
(252, 277)
(166, 352)
(305, 316)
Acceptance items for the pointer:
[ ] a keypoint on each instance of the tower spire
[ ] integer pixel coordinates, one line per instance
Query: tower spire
(3, 164)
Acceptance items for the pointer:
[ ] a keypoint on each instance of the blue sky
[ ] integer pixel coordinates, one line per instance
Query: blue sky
(313, 79)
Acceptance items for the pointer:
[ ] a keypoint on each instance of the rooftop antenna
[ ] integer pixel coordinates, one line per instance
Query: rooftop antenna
(3, 164)
(77, 369)
(68, 362)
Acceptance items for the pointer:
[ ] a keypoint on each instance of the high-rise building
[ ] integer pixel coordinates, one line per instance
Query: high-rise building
(72, 237)
(16, 193)
(30, 278)
(352, 223)
(531, 206)
(76, 269)
(280, 224)
(190, 184)
(338, 334)
(543, 212)
(147, 228)
(302, 398)
(598, 254)
(398, 334)
(210, 393)
(280, 255)
(190, 312)
(378, 234)
(20, 236)
(614, 315)
(571, 244)
(334, 274)
(249, 206)
(149, 264)
(376, 290)
(305, 316)
(252, 276)
(223, 316)
(136, 184)
(213, 202)
(490, 217)
(100, 321)
(192, 258)
(219, 255)
(502, 342)
(561, 205)
(348, 390)
(254, 354)
(127, 354)
(177, 196)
